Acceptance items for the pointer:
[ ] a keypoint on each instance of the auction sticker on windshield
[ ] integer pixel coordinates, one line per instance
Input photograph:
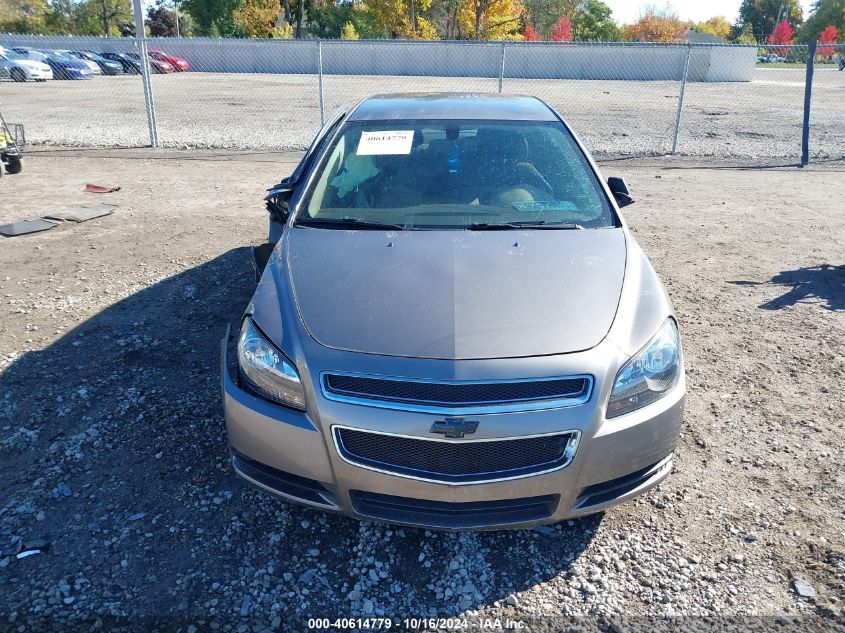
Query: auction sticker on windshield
(385, 143)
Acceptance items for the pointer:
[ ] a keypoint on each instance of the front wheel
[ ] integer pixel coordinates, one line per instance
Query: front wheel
(18, 75)
(40, 80)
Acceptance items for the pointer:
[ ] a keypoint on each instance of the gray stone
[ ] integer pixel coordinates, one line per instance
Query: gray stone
(803, 588)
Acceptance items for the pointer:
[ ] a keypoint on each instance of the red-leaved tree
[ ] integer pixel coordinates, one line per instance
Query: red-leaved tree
(562, 31)
(530, 34)
(781, 35)
(826, 39)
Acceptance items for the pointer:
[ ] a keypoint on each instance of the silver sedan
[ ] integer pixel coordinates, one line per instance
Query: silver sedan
(454, 327)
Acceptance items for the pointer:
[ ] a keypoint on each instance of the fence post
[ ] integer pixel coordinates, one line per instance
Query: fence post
(320, 79)
(681, 99)
(808, 93)
(502, 69)
(141, 39)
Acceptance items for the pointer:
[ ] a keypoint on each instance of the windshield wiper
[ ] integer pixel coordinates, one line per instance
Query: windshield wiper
(350, 223)
(524, 224)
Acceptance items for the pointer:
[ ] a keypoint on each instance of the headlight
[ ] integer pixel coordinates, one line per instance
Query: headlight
(266, 370)
(649, 375)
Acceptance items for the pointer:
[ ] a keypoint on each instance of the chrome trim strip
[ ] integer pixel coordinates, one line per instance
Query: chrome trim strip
(510, 406)
(571, 449)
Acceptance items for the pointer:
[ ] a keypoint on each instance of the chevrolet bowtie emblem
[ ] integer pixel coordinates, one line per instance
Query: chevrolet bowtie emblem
(454, 427)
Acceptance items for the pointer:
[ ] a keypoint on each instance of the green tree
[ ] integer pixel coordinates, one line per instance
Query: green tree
(763, 16)
(23, 16)
(327, 19)
(746, 36)
(823, 14)
(592, 21)
(214, 18)
(107, 17)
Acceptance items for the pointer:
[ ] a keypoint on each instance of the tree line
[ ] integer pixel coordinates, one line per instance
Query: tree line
(758, 21)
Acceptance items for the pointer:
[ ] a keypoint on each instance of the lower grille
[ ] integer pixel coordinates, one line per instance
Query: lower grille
(286, 483)
(442, 514)
(607, 491)
(461, 461)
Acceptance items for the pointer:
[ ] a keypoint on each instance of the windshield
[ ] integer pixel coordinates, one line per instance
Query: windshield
(60, 57)
(456, 175)
(12, 55)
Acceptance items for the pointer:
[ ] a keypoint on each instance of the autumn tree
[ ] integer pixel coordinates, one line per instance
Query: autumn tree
(162, 22)
(400, 18)
(349, 32)
(562, 31)
(656, 26)
(826, 40)
(717, 26)
(781, 35)
(542, 15)
(530, 34)
(491, 19)
(256, 18)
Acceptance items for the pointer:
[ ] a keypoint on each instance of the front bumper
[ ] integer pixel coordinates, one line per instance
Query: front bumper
(73, 73)
(292, 454)
(38, 74)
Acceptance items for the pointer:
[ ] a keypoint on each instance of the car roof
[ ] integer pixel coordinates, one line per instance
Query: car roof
(451, 106)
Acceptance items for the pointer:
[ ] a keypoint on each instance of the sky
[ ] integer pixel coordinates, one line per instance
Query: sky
(627, 11)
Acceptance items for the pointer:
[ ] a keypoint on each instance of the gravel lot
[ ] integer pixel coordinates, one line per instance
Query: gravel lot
(113, 449)
(757, 120)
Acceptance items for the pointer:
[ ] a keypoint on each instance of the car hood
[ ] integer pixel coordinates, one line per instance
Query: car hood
(456, 294)
(61, 63)
(31, 63)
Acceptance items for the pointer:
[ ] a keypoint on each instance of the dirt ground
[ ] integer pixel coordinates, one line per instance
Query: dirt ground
(113, 454)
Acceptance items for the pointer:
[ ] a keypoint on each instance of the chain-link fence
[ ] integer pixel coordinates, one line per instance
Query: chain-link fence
(623, 99)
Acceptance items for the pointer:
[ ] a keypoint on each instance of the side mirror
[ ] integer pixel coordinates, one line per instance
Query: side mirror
(277, 205)
(620, 191)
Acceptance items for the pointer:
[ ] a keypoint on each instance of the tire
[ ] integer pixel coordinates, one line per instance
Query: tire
(40, 80)
(13, 164)
(18, 75)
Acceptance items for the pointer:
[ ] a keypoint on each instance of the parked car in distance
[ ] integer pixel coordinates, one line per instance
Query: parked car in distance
(20, 68)
(63, 66)
(107, 66)
(180, 64)
(94, 66)
(456, 328)
(130, 66)
(156, 65)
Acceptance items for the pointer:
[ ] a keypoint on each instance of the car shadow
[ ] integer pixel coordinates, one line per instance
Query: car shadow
(114, 453)
(823, 284)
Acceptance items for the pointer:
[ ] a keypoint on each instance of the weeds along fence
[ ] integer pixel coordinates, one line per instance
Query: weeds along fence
(624, 99)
